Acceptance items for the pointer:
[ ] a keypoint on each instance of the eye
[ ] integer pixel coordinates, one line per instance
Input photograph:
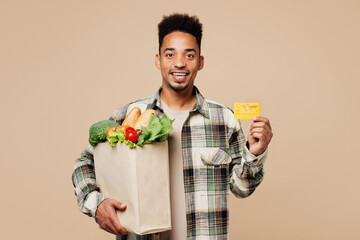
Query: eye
(169, 55)
(190, 55)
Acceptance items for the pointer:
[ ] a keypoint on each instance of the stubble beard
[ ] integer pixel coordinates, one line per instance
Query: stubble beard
(178, 88)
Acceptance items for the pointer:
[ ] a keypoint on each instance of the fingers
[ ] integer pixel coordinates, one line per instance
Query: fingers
(107, 219)
(264, 120)
(107, 226)
(110, 229)
(261, 129)
(260, 136)
(120, 206)
(118, 227)
(115, 220)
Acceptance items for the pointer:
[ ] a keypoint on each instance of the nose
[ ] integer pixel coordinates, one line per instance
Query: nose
(179, 62)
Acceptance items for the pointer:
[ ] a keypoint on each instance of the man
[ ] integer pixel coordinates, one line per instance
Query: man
(209, 156)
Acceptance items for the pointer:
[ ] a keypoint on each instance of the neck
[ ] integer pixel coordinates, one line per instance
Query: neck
(178, 100)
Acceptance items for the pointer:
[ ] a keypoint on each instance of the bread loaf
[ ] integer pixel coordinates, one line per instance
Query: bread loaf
(144, 119)
(132, 117)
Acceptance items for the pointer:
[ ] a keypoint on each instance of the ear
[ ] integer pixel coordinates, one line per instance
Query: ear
(157, 61)
(201, 62)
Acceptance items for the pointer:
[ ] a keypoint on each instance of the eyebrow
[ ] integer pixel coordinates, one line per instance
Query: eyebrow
(187, 49)
(190, 50)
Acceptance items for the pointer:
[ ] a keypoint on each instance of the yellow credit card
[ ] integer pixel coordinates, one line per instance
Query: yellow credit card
(246, 110)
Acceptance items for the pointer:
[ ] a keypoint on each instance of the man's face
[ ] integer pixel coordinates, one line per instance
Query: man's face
(179, 61)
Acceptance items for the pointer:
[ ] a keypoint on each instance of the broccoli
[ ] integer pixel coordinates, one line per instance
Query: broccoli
(97, 132)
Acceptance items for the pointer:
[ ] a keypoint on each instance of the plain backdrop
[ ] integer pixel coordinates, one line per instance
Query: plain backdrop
(67, 64)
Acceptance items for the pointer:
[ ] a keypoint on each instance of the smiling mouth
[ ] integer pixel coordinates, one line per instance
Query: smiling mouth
(179, 77)
(180, 74)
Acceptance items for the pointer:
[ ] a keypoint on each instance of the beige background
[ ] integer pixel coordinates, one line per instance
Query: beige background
(67, 64)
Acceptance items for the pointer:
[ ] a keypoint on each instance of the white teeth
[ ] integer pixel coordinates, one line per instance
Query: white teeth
(179, 74)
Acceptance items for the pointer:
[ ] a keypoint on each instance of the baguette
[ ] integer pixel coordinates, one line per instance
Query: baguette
(132, 117)
(144, 119)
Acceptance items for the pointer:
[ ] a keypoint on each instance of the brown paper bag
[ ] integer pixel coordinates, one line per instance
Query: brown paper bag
(138, 177)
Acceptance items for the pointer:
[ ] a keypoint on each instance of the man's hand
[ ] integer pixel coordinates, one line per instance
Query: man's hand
(260, 135)
(106, 216)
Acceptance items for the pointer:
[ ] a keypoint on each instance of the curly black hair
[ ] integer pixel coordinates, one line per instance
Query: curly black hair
(182, 23)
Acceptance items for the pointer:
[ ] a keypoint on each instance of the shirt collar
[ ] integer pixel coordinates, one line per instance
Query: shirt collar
(201, 105)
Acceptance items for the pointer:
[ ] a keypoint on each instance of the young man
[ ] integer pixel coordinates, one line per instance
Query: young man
(209, 156)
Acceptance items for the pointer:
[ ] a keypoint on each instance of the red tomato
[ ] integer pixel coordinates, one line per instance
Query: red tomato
(138, 132)
(129, 129)
(123, 128)
(131, 136)
(112, 129)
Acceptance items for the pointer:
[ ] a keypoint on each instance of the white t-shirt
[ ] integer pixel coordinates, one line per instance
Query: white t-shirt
(177, 192)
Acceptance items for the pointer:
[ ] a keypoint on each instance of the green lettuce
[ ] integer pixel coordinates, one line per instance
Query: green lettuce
(157, 131)
(114, 137)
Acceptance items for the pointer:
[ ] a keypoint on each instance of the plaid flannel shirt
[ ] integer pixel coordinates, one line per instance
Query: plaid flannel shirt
(216, 161)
